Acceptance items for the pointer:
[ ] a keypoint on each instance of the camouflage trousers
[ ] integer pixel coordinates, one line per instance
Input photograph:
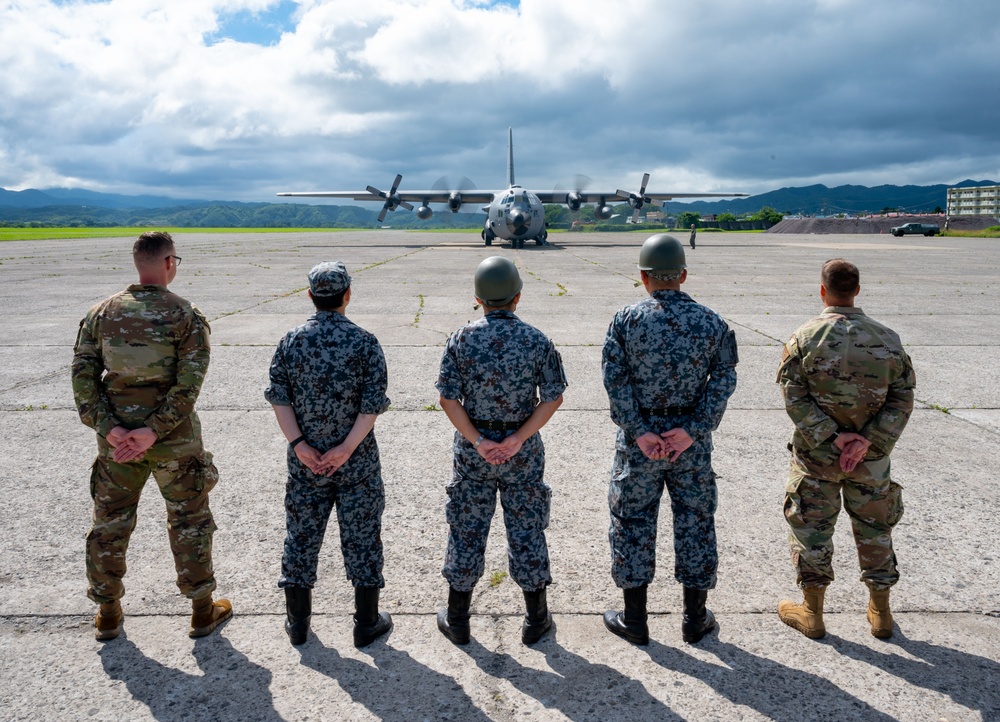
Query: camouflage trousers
(115, 488)
(637, 484)
(812, 503)
(472, 499)
(309, 501)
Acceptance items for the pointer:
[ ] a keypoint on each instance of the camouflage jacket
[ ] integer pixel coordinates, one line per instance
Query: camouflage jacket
(843, 371)
(330, 370)
(499, 367)
(668, 352)
(140, 360)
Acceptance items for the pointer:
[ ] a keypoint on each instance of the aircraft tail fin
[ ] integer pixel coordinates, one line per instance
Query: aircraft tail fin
(510, 157)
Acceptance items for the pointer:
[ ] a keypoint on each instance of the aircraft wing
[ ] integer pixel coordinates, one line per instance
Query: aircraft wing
(589, 196)
(472, 197)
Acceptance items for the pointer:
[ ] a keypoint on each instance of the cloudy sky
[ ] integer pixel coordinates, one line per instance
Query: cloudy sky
(240, 99)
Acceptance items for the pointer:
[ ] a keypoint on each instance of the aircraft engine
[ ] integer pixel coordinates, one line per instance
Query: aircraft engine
(424, 212)
(574, 201)
(455, 202)
(603, 212)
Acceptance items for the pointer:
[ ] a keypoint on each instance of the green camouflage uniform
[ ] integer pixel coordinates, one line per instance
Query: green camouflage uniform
(140, 359)
(844, 372)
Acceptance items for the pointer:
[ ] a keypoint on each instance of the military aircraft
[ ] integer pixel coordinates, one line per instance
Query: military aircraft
(515, 214)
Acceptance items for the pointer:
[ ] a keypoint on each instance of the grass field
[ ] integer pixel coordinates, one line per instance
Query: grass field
(44, 234)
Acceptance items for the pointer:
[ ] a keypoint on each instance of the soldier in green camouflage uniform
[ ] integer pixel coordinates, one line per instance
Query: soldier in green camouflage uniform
(138, 366)
(501, 380)
(848, 387)
(327, 386)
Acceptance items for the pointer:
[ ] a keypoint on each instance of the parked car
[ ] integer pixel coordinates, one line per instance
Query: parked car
(909, 229)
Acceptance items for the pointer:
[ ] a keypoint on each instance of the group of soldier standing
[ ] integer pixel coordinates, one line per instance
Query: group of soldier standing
(669, 368)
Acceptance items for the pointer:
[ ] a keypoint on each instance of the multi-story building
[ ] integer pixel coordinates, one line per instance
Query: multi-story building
(974, 201)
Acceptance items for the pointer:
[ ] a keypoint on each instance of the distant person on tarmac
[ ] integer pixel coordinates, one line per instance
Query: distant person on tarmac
(138, 365)
(848, 388)
(501, 380)
(328, 383)
(694, 233)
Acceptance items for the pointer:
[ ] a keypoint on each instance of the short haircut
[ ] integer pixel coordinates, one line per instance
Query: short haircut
(840, 277)
(329, 303)
(152, 246)
(667, 276)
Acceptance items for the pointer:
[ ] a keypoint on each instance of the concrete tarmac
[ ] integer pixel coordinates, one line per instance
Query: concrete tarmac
(412, 289)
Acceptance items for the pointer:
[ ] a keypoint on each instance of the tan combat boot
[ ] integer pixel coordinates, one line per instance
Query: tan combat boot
(808, 616)
(207, 615)
(108, 622)
(879, 615)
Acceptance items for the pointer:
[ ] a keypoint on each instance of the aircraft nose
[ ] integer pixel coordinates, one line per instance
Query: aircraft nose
(517, 222)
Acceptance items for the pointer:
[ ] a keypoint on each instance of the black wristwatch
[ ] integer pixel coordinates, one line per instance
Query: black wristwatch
(292, 444)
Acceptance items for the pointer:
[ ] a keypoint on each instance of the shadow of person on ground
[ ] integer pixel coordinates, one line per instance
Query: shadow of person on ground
(399, 688)
(232, 687)
(970, 680)
(576, 687)
(778, 692)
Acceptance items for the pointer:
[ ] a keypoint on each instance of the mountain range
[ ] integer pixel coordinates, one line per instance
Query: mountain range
(76, 206)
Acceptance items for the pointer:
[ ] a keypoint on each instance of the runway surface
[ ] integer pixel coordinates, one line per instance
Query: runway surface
(412, 289)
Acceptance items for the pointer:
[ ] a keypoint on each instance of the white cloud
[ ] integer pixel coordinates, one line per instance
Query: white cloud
(140, 95)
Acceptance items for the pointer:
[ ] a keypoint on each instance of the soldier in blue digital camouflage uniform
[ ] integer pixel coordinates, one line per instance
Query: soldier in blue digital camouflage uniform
(669, 368)
(501, 380)
(328, 383)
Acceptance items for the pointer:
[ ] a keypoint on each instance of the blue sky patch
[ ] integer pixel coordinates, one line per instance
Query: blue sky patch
(262, 28)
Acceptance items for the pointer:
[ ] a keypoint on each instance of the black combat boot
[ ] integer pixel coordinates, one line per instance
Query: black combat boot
(298, 611)
(454, 621)
(537, 620)
(698, 621)
(369, 623)
(630, 624)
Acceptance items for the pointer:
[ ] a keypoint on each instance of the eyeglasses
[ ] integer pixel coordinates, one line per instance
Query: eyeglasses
(177, 259)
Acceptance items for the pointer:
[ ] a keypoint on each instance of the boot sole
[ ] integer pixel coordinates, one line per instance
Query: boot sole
(363, 640)
(196, 632)
(641, 641)
(811, 633)
(106, 635)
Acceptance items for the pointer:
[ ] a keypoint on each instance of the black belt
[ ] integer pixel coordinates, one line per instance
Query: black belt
(484, 425)
(668, 410)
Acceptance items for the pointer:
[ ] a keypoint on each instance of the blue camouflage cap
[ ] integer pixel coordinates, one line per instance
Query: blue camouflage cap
(328, 279)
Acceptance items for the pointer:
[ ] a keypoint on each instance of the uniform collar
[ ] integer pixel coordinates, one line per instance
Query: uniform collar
(669, 294)
(844, 310)
(146, 287)
(500, 313)
(330, 316)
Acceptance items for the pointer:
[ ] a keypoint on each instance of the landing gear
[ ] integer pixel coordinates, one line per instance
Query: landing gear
(541, 238)
(517, 243)
(488, 236)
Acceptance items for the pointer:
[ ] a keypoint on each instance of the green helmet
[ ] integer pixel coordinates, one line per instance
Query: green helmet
(662, 252)
(497, 281)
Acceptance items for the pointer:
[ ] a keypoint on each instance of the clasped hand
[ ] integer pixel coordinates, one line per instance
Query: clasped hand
(853, 448)
(325, 464)
(498, 452)
(130, 445)
(668, 445)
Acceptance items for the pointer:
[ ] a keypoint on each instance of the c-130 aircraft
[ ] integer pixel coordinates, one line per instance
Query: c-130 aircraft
(515, 214)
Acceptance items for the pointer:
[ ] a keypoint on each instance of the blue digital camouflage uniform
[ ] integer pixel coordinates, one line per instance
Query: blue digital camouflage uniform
(499, 368)
(140, 360)
(330, 371)
(843, 371)
(668, 362)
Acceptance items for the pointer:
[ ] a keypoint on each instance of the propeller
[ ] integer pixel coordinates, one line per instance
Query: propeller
(454, 192)
(638, 200)
(392, 201)
(573, 198)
